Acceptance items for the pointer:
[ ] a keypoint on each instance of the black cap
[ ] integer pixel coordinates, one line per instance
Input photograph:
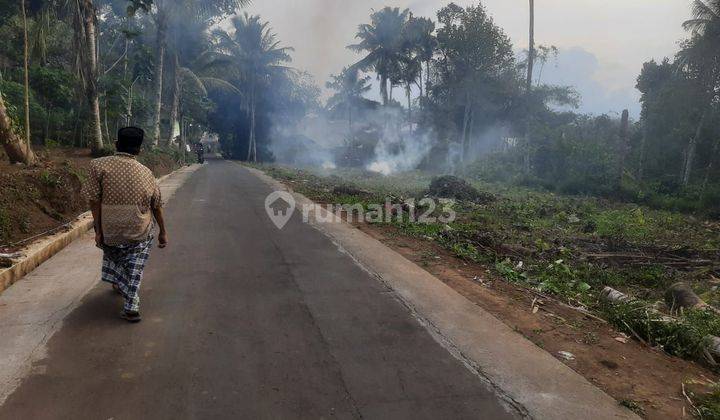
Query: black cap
(131, 137)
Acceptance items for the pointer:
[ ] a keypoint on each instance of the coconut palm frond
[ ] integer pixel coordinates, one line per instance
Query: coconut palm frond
(694, 25)
(704, 14)
(220, 84)
(188, 75)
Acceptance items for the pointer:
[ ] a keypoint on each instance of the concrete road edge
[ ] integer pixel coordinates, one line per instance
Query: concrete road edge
(530, 377)
(44, 248)
(32, 310)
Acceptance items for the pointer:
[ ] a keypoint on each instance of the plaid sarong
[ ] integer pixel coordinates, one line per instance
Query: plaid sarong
(123, 266)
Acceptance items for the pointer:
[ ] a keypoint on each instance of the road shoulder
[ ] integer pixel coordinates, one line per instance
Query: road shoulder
(521, 371)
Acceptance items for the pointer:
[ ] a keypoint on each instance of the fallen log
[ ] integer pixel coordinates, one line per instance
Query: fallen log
(710, 344)
(611, 295)
(681, 296)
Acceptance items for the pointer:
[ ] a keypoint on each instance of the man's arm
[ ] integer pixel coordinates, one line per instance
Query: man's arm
(159, 217)
(96, 209)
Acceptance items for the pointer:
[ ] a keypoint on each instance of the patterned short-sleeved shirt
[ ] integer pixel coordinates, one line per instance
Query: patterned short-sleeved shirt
(127, 192)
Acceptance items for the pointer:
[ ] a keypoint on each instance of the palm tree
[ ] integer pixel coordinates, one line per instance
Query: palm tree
(350, 88)
(383, 39)
(165, 17)
(420, 34)
(409, 74)
(194, 80)
(706, 17)
(254, 54)
(703, 55)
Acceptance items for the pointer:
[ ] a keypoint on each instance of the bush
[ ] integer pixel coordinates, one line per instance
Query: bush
(628, 225)
(104, 151)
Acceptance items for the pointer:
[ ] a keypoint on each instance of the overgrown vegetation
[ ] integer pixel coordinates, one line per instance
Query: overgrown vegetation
(563, 246)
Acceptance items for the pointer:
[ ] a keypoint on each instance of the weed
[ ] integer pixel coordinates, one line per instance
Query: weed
(708, 406)
(632, 406)
(24, 223)
(4, 223)
(683, 336)
(80, 175)
(590, 338)
(49, 180)
(630, 225)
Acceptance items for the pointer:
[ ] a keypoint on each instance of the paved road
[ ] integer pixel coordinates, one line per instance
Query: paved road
(242, 320)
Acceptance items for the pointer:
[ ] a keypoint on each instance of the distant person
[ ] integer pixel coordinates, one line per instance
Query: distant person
(200, 150)
(124, 197)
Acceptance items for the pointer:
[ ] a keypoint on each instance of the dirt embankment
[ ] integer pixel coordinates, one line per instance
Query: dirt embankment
(38, 199)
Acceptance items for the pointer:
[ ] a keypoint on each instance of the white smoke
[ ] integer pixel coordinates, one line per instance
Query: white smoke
(381, 142)
(400, 152)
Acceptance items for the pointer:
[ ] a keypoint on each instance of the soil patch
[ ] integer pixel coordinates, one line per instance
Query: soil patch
(42, 198)
(635, 375)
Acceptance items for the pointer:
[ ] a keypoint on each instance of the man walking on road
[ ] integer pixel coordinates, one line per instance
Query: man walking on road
(124, 197)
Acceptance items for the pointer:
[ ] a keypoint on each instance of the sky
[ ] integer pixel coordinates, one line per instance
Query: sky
(602, 43)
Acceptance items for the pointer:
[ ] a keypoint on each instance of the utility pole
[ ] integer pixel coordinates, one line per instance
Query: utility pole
(528, 92)
(531, 48)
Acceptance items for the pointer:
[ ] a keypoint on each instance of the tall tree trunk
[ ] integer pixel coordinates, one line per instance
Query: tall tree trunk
(427, 79)
(690, 151)
(531, 47)
(126, 59)
(407, 91)
(531, 64)
(175, 98)
(14, 145)
(28, 156)
(128, 105)
(420, 85)
(384, 89)
(252, 149)
(105, 118)
(623, 146)
(466, 122)
(159, 68)
(91, 73)
(46, 126)
(183, 141)
(350, 121)
(126, 63)
(643, 143)
(709, 167)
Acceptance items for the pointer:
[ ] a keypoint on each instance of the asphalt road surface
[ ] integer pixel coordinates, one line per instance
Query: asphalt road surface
(242, 320)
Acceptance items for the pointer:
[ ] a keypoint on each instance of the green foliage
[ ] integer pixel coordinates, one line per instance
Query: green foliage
(108, 150)
(48, 179)
(629, 225)
(559, 278)
(14, 94)
(510, 273)
(708, 404)
(684, 336)
(632, 406)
